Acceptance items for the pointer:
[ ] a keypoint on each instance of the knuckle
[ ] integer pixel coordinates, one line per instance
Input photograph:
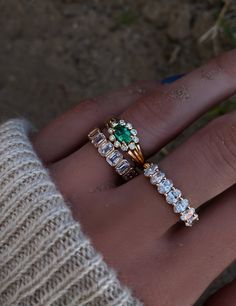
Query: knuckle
(147, 113)
(86, 106)
(222, 142)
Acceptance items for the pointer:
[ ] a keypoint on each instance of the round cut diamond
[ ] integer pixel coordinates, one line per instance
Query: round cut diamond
(110, 131)
(112, 137)
(117, 144)
(122, 134)
(181, 205)
(134, 132)
(124, 147)
(164, 186)
(136, 139)
(149, 171)
(129, 126)
(132, 146)
(122, 122)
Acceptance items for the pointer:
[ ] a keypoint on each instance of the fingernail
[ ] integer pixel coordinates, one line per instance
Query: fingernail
(172, 78)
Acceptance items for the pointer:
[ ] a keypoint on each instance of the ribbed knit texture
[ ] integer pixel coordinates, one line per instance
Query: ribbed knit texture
(45, 259)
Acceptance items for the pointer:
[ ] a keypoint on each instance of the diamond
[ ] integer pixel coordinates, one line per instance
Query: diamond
(150, 170)
(110, 131)
(129, 126)
(136, 139)
(181, 205)
(124, 147)
(173, 195)
(98, 139)
(134, 132)
(132, 146)
(122, 133)
(122, 167)
(112, 137)
(164, 186)
(117, 144)
(122, 122)
(157, 177)
(105, 148)
(189, 216)
(114, 158)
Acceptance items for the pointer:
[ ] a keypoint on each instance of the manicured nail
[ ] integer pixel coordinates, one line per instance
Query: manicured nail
(172, 78)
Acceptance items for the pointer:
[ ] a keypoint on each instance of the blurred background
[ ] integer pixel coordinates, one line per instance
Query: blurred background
(55, 53)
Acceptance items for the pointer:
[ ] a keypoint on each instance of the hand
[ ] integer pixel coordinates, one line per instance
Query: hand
(130, 224)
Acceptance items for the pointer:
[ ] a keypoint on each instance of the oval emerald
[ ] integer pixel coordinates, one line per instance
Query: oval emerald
(122, 134)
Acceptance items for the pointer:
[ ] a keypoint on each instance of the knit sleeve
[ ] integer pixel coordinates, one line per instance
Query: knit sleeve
(45, 259)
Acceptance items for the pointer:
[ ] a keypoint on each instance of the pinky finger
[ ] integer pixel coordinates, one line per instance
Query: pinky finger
(224, 297)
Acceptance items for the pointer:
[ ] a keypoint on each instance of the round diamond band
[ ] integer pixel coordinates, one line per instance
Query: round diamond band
(172, 195)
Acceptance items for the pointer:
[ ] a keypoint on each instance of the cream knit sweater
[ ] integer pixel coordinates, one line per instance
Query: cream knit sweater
(45, 259)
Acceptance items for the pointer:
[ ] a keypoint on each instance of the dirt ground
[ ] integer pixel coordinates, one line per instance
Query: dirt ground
(55, 53)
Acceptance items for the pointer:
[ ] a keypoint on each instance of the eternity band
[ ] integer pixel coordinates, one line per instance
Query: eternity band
(172, 195)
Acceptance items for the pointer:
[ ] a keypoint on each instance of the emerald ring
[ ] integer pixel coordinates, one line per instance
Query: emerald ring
(125, 137)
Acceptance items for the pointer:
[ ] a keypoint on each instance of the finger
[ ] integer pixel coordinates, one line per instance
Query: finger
(202, 167)
(183, 263)
(224, 297)
(163, 114)
(69, 131)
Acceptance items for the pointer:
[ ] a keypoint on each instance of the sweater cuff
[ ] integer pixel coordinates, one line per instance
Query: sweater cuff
(45, 259)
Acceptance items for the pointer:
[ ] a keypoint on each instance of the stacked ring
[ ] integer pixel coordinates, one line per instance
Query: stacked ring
(172, 195)
(123, 137)
(113, 157)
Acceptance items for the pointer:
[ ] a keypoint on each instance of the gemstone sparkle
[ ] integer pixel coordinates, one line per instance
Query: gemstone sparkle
(122, 134)
(181, 205)
(114, 158)
(105, 148)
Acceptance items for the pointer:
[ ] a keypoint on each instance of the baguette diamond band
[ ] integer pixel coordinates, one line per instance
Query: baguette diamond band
(172, 195)
(113, 157)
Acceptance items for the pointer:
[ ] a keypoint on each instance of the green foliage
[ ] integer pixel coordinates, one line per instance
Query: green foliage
(127, 17)
(227, 30)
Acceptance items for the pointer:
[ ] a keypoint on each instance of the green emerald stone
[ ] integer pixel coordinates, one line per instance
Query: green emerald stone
(122, 134)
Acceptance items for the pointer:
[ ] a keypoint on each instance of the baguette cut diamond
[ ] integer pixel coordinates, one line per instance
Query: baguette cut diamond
(114, 158)
(98, 139)
(105, 148)
(164, 186)
(123, 167)
(181, 205)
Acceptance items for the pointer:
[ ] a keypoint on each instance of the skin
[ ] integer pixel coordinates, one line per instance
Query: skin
(129, 223)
